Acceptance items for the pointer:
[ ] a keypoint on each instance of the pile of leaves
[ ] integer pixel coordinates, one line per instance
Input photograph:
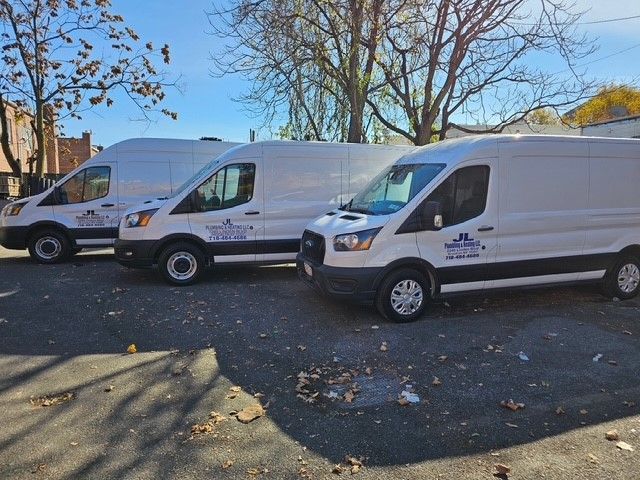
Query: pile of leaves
(207, 427)
(52, 399)
(341, 383)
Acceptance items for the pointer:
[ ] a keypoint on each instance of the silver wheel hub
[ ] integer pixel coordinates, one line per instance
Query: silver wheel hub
(182, 265)
(406, 297)
(48, 247)
(628, 278)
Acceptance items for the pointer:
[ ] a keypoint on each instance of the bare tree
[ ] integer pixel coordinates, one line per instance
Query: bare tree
(50, 68)
(313, 58)
(443, 57)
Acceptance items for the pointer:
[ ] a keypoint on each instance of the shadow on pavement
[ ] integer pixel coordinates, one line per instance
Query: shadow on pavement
(67, 328)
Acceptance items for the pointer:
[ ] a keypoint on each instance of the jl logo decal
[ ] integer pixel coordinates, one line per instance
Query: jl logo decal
(462, 247)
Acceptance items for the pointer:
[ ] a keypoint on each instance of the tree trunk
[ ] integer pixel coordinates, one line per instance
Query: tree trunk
(41, 156)
(14, 163)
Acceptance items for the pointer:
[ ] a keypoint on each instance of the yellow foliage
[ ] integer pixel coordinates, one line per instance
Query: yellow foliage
(600, 107)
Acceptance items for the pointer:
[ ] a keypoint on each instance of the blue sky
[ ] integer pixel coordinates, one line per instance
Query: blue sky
(205, 106)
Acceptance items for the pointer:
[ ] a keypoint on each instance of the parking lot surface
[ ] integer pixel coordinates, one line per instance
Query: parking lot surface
(329, 376)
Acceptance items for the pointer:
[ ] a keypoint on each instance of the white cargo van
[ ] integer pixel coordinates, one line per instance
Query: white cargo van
(83, 209)
(480, 213)
(250, 205)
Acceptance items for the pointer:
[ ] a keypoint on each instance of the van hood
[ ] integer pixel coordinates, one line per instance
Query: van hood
(148, 205)
(338, 222)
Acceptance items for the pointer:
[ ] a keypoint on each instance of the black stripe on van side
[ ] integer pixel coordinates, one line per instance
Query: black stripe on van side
(93, 233)
(525, 268)
(254, 247)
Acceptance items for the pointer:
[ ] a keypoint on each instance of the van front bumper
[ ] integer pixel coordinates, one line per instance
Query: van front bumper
(134, 253)
(353, 284)
(14, 238)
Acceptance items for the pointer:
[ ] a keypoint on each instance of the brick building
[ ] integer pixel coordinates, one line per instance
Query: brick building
(63, 153)
(21, 138)
(71, 152)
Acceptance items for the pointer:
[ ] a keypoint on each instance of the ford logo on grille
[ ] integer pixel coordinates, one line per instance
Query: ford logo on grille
(308, 243)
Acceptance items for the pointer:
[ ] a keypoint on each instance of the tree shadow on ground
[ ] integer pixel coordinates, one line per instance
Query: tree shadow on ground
(68, 328)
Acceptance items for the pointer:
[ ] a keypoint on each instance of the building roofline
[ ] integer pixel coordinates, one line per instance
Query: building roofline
(613, 120)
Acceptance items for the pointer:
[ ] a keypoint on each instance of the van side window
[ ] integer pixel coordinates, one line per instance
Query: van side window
(88, 184)
(463, 195)
(229, 187)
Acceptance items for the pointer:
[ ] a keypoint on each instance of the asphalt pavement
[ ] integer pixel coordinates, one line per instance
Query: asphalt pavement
(329, 376)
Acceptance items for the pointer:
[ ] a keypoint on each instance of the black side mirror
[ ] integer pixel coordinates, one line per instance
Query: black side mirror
(431, 216)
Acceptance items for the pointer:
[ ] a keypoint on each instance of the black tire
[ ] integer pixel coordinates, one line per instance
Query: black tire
(623, 279)
(76, 251)
(391, 283)
(181, 263)
(49, 246)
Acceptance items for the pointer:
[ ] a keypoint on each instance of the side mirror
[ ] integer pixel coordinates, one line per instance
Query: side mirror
(431, 216)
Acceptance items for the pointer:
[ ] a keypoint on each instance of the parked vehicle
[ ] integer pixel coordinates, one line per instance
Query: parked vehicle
(480, 213)
(83, 209)
(250, 205)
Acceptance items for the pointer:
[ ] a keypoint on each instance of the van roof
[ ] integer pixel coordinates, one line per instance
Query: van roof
(486, 146)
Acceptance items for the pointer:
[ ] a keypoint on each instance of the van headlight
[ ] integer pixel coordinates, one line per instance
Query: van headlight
(351, 242)
(139, 219)
(13, 209)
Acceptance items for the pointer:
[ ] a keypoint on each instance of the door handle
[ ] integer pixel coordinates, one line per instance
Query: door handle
(252, 212)
(107, 205)
(485, 228)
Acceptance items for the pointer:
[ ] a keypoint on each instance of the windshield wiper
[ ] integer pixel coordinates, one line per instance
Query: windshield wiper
(347, 206)
(365, 211)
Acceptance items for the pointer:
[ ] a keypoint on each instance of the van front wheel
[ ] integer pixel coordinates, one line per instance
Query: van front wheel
(49, 246)
(623, 280)
(403, 295)
(181, 263)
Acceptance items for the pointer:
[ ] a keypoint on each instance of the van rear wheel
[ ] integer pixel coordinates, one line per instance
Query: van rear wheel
(403, 295)
(181, 263)
(49, 246)
(623, 280)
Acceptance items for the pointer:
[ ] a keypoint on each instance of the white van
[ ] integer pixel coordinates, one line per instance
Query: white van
(84, 208)
(480, 213)
(250, 205)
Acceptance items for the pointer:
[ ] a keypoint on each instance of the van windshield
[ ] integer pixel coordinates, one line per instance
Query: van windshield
(198, 174)
(393, 188)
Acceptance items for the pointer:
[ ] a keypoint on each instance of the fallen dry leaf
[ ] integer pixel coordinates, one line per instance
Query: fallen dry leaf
(132, 348)
(624, 446)
(593, 459)
(511, 405)
(403, 401)
(53, 399)
(560, 411)
(257, 471)
(502, 469)
(227, 464)
(436, 382)
(250, 413)
(612, 435)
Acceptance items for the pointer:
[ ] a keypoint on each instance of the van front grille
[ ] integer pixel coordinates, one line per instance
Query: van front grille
(313, 246)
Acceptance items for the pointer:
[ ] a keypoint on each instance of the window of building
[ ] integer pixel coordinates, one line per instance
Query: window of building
(88, 184)
(463, 195)
(229, 187)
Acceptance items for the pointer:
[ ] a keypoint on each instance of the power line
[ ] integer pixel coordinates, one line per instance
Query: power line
(595, 60)
(609, 20)
(591, 22)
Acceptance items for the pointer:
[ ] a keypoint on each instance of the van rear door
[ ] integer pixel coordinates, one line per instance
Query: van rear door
(87, 205)
(229, 214)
